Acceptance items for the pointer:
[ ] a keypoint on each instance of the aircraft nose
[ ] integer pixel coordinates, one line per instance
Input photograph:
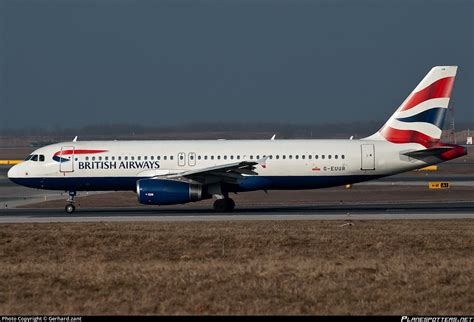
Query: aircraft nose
(13, 172)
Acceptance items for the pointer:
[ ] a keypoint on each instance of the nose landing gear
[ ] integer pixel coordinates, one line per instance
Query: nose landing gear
(70, 208)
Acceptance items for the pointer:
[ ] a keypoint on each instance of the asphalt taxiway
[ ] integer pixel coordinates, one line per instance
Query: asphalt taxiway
(420, 210)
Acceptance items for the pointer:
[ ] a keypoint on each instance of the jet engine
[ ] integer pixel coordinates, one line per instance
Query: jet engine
(168, 192)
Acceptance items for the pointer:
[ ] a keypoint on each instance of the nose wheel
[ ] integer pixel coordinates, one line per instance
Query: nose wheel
(224, 205)
(70, 208)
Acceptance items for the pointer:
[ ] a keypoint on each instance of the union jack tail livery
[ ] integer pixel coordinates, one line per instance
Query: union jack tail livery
(420, 117)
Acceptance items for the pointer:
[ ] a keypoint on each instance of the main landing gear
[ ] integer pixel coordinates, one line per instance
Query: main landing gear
(224, 205)
(70, 208)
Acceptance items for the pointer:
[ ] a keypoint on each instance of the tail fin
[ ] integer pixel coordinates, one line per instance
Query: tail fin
(420, 117)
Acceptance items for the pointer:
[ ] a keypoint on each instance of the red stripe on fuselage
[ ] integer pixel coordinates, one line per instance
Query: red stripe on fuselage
(66, 152)
(441, 88)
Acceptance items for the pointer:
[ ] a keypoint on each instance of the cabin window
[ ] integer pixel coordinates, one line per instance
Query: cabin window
(139, 158)
(335, 157)
(225, 157)
(171, 157)
(212, 157)
(100, 158)
(132, 158)
(270, 156)
(322, 156)
(303, 156)
(125, 158)
(181, 157)
(191, 157)
(199, 157)
(309, 156)
(232, 157)
(164, 157)
(277, 157)
(290, 156)
(329, 156)
(283, 157)
(145, 158)
(296, 157)
(106, 158)
(218, 157)
(205, 157)
(238, 157)
(343, 156)
(152, 157)
(113, 158)
(93, 158)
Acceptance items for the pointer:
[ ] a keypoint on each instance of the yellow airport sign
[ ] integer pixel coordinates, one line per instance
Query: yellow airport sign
(438, 185)
(9, 162)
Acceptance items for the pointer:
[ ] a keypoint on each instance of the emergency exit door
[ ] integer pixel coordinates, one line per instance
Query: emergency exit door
(192, 159)
(368, 157)
(181, 159)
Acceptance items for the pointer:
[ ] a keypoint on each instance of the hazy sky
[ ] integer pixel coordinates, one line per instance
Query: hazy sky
(75, 62)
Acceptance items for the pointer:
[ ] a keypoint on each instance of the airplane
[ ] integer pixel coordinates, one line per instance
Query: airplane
(177, 172)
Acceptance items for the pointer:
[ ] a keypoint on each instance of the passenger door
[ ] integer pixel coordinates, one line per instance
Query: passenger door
(368, 157)
(66, 159)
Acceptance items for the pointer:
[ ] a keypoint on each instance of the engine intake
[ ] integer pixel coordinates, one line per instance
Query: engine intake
(167, 192)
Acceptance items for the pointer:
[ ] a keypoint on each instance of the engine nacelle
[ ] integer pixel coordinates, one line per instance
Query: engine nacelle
(167, 192)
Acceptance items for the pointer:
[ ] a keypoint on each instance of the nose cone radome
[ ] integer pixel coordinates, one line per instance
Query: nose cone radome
(13, 173)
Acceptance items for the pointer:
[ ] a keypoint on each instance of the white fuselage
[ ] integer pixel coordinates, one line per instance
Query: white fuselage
(284, 164)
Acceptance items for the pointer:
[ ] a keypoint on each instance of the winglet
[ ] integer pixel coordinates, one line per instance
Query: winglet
(75, 139)
(273, 137)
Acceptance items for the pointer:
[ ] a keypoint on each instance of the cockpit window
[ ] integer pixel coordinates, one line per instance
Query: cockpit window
(41, 158)
(34, 158)
(29, 157)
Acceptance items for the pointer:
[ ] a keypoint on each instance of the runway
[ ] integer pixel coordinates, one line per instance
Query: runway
(419, 210)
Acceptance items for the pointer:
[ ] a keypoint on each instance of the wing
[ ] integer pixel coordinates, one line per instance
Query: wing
(230, 173)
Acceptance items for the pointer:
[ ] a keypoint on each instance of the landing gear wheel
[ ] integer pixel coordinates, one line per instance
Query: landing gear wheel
(224, 205)
(70, 208)
(230, 204)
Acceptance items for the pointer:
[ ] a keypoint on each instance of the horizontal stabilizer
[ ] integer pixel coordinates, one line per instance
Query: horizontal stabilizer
(428, 152)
